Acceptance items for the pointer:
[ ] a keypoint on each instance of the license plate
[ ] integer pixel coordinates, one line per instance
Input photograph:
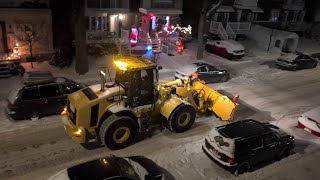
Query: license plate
(215, 152)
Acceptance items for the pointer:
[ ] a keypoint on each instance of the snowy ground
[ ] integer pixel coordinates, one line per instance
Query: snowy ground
(36, 150)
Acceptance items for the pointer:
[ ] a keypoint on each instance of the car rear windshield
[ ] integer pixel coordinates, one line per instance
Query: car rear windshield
(103, 169)
(13, 95)
(90, 94)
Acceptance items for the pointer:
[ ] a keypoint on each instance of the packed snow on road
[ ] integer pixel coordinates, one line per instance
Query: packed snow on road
(39, 149)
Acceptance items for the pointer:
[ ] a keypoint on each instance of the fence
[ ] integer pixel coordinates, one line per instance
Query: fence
(170, 48)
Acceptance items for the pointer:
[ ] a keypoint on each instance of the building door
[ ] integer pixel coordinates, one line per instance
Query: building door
(114, 23)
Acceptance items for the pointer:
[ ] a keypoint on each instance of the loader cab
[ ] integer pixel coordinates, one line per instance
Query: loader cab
(138, 82)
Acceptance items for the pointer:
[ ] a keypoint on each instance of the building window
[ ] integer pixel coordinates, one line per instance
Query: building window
(93, 3)
(105, 3)
(97, 23)
(105, 22)
(93, 23)
(274, 15)
(163, 3)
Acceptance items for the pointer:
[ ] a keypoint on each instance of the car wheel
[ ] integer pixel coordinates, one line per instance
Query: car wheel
(118, 132)
(242, 168)
(228, 55)
(283, 154)
(34, 116)
(182, 118)
(224, 78)
(295, 68)
(314, 65)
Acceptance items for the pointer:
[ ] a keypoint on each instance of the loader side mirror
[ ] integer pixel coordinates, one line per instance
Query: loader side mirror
(160, 67)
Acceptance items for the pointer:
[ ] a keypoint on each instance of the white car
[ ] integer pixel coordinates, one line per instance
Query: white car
(229, 49)
(310, 121)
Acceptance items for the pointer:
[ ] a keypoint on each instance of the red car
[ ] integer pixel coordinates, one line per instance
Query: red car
(229, 49)
(310, 121)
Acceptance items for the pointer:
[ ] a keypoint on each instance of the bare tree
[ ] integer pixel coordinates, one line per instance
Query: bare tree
(32, 36)
(204, 16)
(82, 66)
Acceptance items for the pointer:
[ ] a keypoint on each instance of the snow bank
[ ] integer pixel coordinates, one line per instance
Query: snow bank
(285, 41)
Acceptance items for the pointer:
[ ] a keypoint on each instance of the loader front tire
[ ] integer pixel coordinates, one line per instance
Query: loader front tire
(182, 118)
(117, 132)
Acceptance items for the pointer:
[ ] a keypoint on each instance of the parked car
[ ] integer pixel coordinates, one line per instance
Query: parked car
(115, 168)
(310, 121)
(9, 68)
(296, 61)
(240, 145)
(229, 49)
(39, 94)
(206, 72)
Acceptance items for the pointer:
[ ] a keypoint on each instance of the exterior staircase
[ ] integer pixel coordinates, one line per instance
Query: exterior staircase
(124, 45)
(124, 48)
(156, 44)
(231, 30)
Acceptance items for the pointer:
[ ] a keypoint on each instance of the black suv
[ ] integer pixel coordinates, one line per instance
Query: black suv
(242, 144)
(39, 94)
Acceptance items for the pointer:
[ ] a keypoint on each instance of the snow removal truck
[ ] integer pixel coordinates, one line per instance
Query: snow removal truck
(113, 114)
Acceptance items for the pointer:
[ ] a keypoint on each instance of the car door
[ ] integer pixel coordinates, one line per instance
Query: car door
(256, 150)
(54, 100)
(30, 100)
(303, 62)
(310, 62)
(204, 74)
(271, 145)
(215, 74)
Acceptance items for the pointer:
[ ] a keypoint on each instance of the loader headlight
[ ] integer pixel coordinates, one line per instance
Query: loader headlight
(78, 132)
(64, 112)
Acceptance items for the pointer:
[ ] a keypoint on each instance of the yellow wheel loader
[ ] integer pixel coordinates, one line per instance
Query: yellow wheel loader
(114, 113)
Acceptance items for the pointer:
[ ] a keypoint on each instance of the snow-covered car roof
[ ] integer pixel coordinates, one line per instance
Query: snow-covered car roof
(288, 56)
(313, 114)
(187, 69)
(191, 68)
(230, 44)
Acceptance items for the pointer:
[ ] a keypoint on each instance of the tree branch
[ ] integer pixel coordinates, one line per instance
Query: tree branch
(213, 9)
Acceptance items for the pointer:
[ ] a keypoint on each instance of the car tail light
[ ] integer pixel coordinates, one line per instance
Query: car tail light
(231, 160)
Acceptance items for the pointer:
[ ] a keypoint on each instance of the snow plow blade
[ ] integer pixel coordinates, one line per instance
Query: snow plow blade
(221, 105)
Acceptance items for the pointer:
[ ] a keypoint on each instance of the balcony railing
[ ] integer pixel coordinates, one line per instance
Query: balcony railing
(107, 4)
(239, 28)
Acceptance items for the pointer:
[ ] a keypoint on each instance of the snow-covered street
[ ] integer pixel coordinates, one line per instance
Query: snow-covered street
(38, 149)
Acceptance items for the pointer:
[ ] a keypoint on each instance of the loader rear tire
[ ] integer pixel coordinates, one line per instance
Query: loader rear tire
(117, 132)
(182, 118)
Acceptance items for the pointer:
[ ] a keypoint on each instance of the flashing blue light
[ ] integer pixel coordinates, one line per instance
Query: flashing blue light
(149, 48)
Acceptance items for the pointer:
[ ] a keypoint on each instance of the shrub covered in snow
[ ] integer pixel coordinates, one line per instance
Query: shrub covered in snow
(99, 50)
